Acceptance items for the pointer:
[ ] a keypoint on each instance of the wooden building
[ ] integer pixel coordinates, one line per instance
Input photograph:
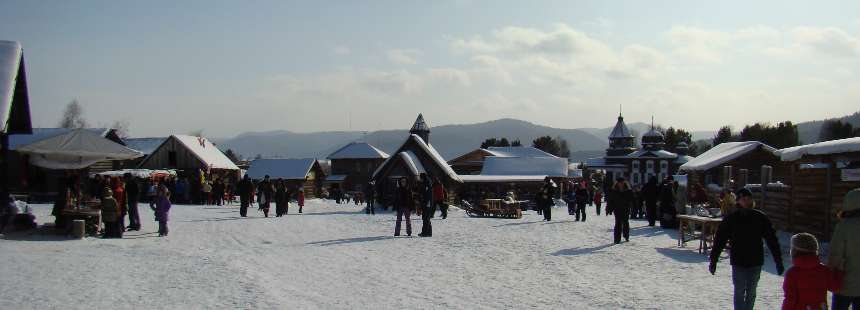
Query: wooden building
(819, 176)
(745, 158)
(191, 156)
(14, 103)
(304, 173)
(353, 165)
(144, 145)
(414, 157)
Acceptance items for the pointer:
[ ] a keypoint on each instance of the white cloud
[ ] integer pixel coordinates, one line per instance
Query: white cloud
(404, 56)
(341, 50)
(828, 41)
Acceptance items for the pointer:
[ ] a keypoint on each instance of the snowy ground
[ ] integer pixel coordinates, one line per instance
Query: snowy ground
(336, 257)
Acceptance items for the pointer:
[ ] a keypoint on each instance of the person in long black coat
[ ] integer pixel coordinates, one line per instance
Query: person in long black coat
(244, 188)
(280, 198)
(649, 193)
(426, 192)
(581, 200)
(668, 214)
(370, 197)
(622, 201)
(132, 195)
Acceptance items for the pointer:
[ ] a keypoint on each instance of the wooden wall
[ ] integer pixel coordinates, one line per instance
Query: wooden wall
(185, 159)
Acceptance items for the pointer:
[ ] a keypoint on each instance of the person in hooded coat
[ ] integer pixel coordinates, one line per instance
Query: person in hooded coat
(582, 199)
(807, 281)
(370, 197)
(844, 254)
(245, 190)
(426, 194)
(110, 215)
(281, 199)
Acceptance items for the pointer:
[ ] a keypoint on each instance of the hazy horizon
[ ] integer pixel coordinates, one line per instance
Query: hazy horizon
(229, 67)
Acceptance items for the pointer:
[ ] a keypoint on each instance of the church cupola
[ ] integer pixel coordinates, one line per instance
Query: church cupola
(621, 141)
(421, 129)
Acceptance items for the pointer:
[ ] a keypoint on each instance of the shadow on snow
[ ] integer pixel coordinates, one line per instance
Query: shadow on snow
(349, 240)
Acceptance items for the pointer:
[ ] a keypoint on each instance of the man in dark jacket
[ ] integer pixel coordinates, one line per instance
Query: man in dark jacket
(132, 195)
(582, 199)
(622, 200)
(244, 188)
(744, 230)
(403, 203)
(426, 194)
(369, 194)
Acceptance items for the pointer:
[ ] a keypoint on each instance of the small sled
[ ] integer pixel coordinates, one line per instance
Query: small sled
(494, 208)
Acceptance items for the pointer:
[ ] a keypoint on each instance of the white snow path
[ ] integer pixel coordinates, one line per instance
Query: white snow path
(336, 257)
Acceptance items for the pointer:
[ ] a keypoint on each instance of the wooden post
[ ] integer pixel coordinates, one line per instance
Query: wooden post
(727, 176)
(765, 180)
(743, 177)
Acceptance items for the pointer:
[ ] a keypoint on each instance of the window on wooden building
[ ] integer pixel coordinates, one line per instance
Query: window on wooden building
(171, 159)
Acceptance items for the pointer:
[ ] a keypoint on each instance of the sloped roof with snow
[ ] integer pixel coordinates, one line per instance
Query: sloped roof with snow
(358, 150)
(144, 145)
(657, 154)
(501, 178)
(39, 134)
(723, 153)
(206, 152)
(821, 148)
(281, 168)
(412, 163)
(620, 130)
(11, 70)
(546, 166)
(431, 152)
(517, 151)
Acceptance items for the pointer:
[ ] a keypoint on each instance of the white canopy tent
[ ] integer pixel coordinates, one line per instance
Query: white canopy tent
(76, 149)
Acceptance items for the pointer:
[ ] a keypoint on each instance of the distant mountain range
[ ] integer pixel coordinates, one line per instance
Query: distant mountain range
(455, 140)
(450, 140)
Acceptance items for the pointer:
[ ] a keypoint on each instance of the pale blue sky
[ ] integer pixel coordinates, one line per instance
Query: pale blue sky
(234, 66)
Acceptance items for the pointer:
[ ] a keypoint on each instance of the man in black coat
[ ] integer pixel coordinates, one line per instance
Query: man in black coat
(744, 230)
(621, 201)
(132, 195)
(649, 193)
(369, 194)
(244, 189)
(404, 204)
(546, 195)
(582, 199)
(426, 194)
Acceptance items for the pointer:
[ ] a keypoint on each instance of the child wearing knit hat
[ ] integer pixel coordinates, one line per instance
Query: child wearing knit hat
(807, 281)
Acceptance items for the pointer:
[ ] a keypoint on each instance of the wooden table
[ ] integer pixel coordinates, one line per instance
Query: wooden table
(687, 230)
(86, 214)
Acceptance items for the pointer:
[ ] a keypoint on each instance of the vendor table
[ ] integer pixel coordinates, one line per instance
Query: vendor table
(93, 218)
(687, 230)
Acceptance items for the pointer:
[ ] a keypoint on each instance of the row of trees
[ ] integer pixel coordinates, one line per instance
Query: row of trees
(503, 142)
(837, 129)
(782, 135)
(555, 146)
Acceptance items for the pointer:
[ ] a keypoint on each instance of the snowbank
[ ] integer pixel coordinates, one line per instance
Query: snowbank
(821, 148)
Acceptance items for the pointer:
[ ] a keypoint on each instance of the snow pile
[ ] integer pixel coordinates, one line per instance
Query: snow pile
(723, 153)
(337, 257)
(821, 148)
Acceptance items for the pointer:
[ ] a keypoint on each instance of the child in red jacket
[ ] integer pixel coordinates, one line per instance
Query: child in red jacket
(807, 281)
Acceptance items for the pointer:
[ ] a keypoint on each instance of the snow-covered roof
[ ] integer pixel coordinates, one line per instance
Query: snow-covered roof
(723, 153)
(420, 124)
(620, 130)
(412, 162)
(358, 150)
(573, 171)
(600, 162)
(546, 166)
(683, 159)
(517, 151)
(11, 63)
(281, 168)
(501, 178)
(206, 152)
(75, 149)
(434, 155)
(144, 145)
(39, 134)
(657, 153)
(821, 148)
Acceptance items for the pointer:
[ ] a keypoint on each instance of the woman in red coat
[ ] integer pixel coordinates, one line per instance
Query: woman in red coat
(807, 281)
(301, 200)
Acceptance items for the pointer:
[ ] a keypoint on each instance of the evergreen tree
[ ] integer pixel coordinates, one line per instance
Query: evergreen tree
(836, 129)
(723, 135)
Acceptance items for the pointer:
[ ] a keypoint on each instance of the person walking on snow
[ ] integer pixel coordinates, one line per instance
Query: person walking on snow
(300, 199)
(744, 230)
(403, 200)
(132, 194)
(110, 215)
(547, 193)
(369, 197)
(244, 188)
(439, 197)
(649, 193)
(845, 253)
(426, 195)
(581, 201)
(621, 200)
(598, 200)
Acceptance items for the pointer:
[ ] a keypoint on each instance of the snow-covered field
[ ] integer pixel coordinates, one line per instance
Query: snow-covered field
(336, 257)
